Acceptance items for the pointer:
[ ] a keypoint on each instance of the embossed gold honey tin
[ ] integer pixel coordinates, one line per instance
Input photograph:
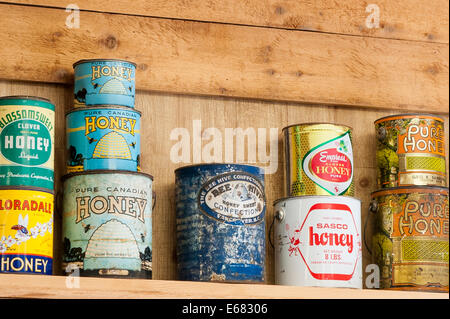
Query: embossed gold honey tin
(410, 150)
(410, 239)
(319, 159)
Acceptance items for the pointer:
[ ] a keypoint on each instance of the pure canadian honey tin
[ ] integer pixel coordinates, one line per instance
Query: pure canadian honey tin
(410, 150)
(318, 241)
(104, 82)
(318, 159)
(410, 239)
(27, 130)
(103, 137)
(107, 224)
(220, 214)
(26, 230)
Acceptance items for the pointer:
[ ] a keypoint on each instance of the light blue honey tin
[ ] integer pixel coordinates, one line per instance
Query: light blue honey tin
(107, 224)
(103, 137)
(103, 82)
(220, 214)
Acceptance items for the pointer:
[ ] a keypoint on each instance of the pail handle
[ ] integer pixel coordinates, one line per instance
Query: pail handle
(373, 206)
(278, 214)
(153, 200)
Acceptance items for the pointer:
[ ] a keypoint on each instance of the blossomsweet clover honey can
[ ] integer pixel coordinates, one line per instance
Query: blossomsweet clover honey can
(26, 230)
(220, 212)
(104, 82)
(27, 129)
(103, 137)
(410, 239)
(319, 159)
(318, 241)
(410, 150)
(107, 224)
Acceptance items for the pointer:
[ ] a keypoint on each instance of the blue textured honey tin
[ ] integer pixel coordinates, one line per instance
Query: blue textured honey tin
(107, 224)
(220, 213)
(103, 82)
(103, 137)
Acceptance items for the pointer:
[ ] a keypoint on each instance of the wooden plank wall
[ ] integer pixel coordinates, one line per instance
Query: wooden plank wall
(251, 64)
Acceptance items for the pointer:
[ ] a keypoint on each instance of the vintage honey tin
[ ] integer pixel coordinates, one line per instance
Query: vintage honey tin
(27, 129)
(318, 241)
(410, 239)
(107, 224)
(104, 137)
(318, 159)
(26, 230)
(410, 150)
(220, 213)
(104, 82)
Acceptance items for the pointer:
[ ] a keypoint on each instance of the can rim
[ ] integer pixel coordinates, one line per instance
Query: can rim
(316, 123)
(396, 190)
(405, 115)
(210, 164)
(25, 97)
(312, 196)
(106, 60)
(104, 171)
(28, 188)
(103, 106)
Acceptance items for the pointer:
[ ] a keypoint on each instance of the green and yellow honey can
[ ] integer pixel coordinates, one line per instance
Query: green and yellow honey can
(318, 159)
(410, 151)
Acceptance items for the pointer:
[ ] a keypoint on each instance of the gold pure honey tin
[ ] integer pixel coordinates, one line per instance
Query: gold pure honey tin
(410, 151)
(318, 159)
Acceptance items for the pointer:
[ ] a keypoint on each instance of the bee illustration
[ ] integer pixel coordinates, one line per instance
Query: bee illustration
(142, 237)
(130, 88)
(91, 139)
(95, 85)
(133, 144)
(22, 225)
(87, 227)
(343, 146)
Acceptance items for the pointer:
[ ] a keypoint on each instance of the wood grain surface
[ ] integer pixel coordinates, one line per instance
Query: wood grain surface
(404, 19)
(229, 60)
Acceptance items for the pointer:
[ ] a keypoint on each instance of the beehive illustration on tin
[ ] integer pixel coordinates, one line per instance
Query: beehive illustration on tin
(103, 138)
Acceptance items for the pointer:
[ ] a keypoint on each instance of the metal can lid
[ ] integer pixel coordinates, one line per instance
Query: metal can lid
(216, 164)
(409, 189)
(313, 196)
(103, 107)
(408, 115)
(102, 60)
(317, 123)
(28, 188)
(104, 171)
(25, 97)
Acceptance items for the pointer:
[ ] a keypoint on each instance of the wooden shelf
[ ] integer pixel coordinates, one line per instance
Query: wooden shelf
(34, 286)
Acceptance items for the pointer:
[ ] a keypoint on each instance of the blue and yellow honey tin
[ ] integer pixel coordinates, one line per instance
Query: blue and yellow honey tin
(103, 137)
(103, 82)
(220, 213)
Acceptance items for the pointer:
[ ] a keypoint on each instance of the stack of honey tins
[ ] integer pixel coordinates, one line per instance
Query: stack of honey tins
(107, 200)
(317, 229)
(410, 237)
(27, 130)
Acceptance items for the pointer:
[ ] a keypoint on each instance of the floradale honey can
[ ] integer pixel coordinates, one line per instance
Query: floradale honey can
(318, 159)
(410, 238)
(410, 150)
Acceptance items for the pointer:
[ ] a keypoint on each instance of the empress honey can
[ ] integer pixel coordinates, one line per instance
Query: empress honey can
(103, 137)
(410, 150)
(27, 130)
(220, 215)
(104, 82)
(410, 238)
(318, 159)
(318, 241)
(26, 230)
(107, 224)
